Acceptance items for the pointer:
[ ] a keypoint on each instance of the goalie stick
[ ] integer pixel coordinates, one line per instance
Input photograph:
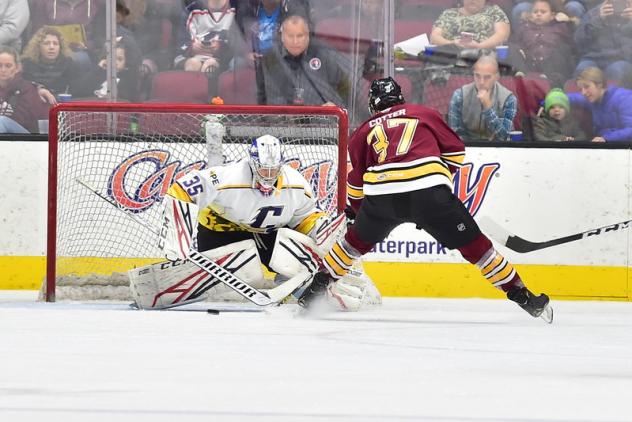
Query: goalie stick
(254, 295)
(518, 244)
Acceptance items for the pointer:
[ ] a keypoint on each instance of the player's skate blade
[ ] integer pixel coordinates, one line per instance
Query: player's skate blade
(536, 306)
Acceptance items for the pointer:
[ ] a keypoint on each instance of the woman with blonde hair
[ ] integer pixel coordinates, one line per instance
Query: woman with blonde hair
(611, 106)
(47, 61)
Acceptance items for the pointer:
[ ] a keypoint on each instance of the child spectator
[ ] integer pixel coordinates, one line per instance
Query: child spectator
(575, 9)
(556, 123)
(46, 61)
(545, 43)
(14, 16)
(209, 36)
(94, 83)
(20, 104)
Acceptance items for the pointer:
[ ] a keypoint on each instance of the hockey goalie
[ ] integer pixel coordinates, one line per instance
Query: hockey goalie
(241, 215)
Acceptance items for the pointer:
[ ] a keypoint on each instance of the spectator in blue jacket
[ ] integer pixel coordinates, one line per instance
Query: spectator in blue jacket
(611, 106)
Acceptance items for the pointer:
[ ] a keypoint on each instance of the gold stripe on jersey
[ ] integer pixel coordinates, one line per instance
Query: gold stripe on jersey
(179, 193)
(308, 223)
(454, 158)
(354, 192)
(403, 174)
(227, 187)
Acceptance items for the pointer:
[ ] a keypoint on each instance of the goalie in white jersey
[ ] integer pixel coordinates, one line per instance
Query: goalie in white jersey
(257, 210)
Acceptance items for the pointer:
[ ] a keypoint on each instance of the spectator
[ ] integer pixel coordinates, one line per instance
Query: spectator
(545, 44)
(149, 21)
(556, 123)
(611, 106)
(81, 22)
(604, 39)
(260, 24)
(46, 61)
(575, 9)
(474, 25)
(483, 109)
(94, 83)
(14, 16)
(298, 70)
(20, 103)
(210, 36)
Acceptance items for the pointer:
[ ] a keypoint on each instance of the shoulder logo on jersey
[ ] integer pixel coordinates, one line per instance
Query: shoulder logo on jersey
(144, 178)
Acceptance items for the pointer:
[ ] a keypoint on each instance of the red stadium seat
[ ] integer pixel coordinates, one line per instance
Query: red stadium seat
(180, 87)
(238, 86)
(438, 95)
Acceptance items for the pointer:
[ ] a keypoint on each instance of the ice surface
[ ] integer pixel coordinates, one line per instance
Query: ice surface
(410, 360)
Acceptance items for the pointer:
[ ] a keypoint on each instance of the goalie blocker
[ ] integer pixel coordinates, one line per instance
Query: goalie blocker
(175, 283)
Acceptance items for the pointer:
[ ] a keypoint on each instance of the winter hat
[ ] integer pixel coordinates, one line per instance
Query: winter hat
(556, 97)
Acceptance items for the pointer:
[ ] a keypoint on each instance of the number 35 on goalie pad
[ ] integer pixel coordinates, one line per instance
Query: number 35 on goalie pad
(174, 283)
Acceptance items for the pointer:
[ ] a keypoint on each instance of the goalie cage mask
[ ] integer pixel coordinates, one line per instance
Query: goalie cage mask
(266, 160)
(384, 93)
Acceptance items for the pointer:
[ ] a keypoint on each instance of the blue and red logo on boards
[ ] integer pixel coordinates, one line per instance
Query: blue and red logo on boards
(156, 183)
(469, 186)
(471, 189)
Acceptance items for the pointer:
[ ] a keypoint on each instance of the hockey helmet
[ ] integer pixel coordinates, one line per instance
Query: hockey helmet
(266, 159)
(384, 93)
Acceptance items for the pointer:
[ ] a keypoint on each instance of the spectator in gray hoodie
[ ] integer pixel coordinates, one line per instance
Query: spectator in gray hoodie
(14, 16)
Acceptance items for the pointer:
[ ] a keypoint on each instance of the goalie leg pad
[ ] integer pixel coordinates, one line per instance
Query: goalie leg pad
(168, 284)
(354, 291)
(294, 253)
(174, 283)
(179, 227)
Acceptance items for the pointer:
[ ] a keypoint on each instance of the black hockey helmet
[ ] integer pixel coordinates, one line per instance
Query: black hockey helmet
(384, 93)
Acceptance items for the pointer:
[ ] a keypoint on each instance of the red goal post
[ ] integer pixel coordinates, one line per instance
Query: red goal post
(131, 153)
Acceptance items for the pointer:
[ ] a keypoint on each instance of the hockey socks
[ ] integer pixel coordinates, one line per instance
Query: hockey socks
(340, 258)
(493, 266)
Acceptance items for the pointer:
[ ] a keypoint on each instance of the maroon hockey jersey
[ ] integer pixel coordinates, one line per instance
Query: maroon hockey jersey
(403, 148)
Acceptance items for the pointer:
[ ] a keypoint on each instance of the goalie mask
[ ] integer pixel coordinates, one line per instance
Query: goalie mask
(384, 93)
(266, 160)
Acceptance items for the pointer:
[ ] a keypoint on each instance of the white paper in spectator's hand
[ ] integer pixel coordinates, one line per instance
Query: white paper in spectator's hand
(414, 45)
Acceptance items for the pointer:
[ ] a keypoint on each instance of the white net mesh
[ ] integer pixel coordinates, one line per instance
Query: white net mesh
(133, 157)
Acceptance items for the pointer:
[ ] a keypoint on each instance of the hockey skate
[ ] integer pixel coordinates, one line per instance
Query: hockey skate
(315, 290)
(536, 306)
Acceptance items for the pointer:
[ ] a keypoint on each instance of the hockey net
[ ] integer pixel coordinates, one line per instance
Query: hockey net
(132, 153)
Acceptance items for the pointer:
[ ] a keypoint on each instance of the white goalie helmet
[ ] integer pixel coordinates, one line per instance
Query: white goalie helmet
(266, 160)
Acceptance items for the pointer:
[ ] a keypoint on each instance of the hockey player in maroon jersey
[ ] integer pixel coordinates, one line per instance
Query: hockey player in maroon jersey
(403, 159)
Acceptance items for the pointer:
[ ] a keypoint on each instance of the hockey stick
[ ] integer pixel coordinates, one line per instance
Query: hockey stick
(254, 295)
(521, 245)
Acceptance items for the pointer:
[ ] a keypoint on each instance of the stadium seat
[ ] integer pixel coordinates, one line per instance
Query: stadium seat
(437, 95)
(338, 33)
(180, 87)
(405, 29)
(238, 86)
(530, 92)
